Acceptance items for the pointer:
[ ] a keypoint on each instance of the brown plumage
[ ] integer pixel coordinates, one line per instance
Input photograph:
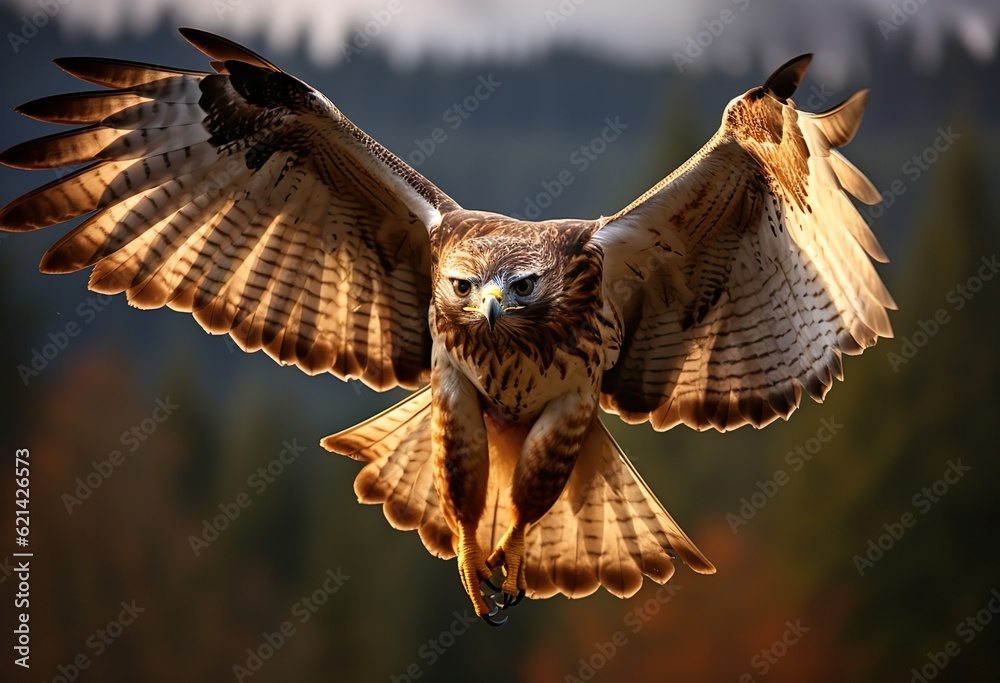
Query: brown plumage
(247, 198)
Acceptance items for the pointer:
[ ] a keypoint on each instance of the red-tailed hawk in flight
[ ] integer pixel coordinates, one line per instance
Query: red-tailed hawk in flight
(715, 299)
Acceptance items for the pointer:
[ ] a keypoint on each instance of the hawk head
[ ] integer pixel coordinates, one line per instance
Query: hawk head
(520, 286)
(497, 281)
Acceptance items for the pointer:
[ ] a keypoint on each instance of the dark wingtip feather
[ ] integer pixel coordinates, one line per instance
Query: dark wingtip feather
(59, 260)
(52, 109)
(786, 78)
(78, 108)
(40, 110)
(67, 148)
(36, 209)
(22, 155)
(82, 68)
(222, 49)
(12, 218)
(10, 156)
(117, 73)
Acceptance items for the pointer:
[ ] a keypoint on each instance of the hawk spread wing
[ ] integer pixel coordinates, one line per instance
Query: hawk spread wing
(247, 198)
(741, 278)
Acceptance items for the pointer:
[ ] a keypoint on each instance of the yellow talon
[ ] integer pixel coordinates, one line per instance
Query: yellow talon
(510, 553)
(472, 570)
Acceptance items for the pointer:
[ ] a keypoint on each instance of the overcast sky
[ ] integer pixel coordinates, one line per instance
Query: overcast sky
(734, 35)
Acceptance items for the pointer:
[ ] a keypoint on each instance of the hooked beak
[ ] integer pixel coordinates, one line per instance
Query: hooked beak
(492, 304)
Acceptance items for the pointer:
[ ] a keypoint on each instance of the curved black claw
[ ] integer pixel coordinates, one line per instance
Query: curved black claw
(489, 617)
(511, 600)
(496, 589)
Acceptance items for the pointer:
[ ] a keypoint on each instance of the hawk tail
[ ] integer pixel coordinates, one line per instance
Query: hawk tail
(399, 474)
(607, 528)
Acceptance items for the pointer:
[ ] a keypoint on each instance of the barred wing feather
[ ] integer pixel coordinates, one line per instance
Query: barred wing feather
(245, 197)
(741, 279)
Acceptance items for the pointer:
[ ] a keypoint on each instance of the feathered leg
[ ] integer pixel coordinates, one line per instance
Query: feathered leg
(461, 467)
(546, 462)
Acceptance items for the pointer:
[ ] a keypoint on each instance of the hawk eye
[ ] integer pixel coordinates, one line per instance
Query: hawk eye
(524, 286)
(462, 287)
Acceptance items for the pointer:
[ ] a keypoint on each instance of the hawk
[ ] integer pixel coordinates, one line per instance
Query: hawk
(717, 298)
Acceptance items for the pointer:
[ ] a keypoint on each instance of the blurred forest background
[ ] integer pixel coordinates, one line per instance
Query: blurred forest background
(902, 455)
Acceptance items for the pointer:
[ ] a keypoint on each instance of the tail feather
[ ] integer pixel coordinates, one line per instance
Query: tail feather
(607, 528)
(396, 445)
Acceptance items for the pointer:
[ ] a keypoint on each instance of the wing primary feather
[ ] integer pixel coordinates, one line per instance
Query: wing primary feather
(177, 162)
(756, 304)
